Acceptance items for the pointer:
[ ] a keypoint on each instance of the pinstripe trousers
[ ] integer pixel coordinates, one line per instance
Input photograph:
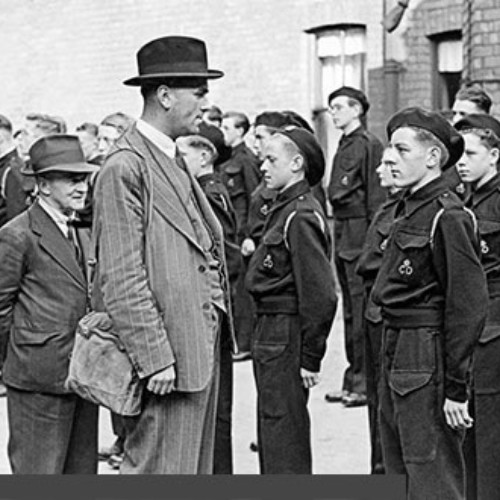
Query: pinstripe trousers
(175, 433)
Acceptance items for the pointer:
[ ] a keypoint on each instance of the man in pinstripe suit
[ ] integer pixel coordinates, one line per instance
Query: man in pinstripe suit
(161, 265)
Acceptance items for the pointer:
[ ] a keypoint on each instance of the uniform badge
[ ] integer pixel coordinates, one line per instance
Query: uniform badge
(264, 210)
(460, 189)
(484, 247)
(344, 180)
(405, 269)
(383, 245)
(230, 183)
(268, 262)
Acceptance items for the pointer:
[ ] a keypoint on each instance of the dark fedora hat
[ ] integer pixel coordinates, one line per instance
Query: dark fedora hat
(57, 153)
(173, 57)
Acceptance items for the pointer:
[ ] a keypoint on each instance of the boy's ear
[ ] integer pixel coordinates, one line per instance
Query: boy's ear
(297, 163)
(433, 157)
(495, 155)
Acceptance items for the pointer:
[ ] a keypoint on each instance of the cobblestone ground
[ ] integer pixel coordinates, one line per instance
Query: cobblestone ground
(340, 435)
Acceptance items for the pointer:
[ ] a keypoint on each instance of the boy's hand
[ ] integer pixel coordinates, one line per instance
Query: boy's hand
(309, 379)
(457, 414)
(163, 382)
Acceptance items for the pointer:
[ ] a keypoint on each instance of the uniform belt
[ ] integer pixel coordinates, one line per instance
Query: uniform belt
(412, 318)
(277, 305)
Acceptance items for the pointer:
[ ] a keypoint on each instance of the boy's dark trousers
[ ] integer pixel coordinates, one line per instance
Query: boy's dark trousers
(223, 453)
(283, 425)
(373, 342)
(482, 442)
(416, 440)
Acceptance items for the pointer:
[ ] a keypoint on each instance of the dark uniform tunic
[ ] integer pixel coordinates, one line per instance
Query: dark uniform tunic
(433, 295)
(482, 447)
(369, 263)
(218, 198)
(355, 195)
(241, 175)
(291, 280)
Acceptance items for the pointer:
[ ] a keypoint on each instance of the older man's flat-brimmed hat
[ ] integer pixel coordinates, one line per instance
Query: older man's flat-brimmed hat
(57, 153)
(173, 57)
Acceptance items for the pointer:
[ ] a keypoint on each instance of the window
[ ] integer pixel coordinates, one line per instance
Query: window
(339, 59)
(447, 69)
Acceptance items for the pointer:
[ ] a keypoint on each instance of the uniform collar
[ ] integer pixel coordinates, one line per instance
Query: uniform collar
(355, 133)
(480, 194)
(294, 191)
(424, 195)
(205, 178)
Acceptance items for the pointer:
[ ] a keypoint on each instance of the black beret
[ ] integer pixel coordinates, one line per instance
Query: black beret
(432, 122)
(216, 137)
(353, 94)
(482, 121)
(310, 148)
(272, 119)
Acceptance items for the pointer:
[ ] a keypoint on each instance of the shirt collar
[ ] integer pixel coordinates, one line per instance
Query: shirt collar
(292, 192)
(159, 139)
(56, 215)
(413, 201)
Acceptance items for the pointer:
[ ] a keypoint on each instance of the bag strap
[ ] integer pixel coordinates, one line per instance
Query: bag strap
(438, 216)
(289, 219)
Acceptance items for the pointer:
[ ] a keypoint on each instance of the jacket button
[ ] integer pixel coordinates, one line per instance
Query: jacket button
(202, 268)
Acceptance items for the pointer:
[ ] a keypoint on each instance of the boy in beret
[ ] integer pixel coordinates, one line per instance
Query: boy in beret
(478, 167)
(355, 195)
(291, 281)
(433, 295)
(200, 155)
(368, 266)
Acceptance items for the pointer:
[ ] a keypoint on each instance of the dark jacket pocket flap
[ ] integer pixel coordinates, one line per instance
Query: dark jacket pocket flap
(489, 333)
(263, 352)
(384, 229)
(233, 169)
(273, 238)
(404, 382)
(411, 240)
(488, 226)
(24, 336)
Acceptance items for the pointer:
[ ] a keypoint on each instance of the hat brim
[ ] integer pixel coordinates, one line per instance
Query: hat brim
(70, 168)
(136, 81)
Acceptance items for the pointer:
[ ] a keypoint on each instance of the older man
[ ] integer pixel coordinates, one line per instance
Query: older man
(162, 268)
(43, 294)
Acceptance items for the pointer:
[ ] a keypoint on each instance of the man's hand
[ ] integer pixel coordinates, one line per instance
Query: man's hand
(309, 379)
(457, 414)
(247, 247)
(163, 382)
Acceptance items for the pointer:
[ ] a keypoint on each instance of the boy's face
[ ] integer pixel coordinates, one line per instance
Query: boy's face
(343, 114)
(278, 165)
(478, 161)
(262, 135)
(232, 134)
(384, 169)
(463, 108)
(192, 156)
(410, 167)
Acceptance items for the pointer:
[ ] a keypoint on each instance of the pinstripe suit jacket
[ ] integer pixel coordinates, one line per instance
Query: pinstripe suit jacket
(153, 280)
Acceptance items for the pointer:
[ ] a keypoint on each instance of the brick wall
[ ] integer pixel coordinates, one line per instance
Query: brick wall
(482, 47)
(69, 57)
(428, 19)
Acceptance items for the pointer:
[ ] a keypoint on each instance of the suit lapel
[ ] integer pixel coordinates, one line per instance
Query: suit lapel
(55, 244)
(170, 197)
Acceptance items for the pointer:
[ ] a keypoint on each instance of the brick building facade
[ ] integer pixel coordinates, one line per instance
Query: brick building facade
(69, 57)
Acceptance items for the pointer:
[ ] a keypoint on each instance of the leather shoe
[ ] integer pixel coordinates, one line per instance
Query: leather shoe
(114, 461)
(242, 356)
(336, 397)
(115, 449)
(353, 400)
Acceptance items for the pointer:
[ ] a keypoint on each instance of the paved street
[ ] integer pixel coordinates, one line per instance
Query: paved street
(340, 435)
